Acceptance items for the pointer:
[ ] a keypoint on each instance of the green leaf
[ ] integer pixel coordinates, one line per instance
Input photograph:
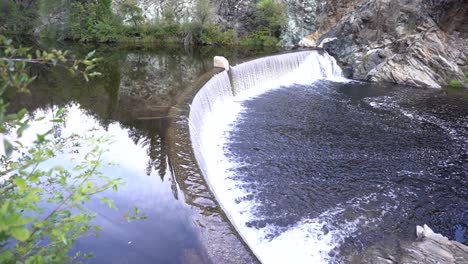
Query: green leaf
(6, 256)
(40, 138)
(20, 130)
(94, 74)
(90, 54)
(60, 112)
(22, 113)
(11, 117)
(109, 203)
(22, 221)
(8, 147)
(31, 198)
(20, 233)
(21, 183)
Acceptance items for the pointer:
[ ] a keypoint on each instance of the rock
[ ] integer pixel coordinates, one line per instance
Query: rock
(325, 41)
(412, 46)
(307, 42)
(426, 232)
(221, 62)
(429, 248)
(433, 248)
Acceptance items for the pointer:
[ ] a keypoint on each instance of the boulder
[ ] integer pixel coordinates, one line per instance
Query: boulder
(307, 42)
(325, 41)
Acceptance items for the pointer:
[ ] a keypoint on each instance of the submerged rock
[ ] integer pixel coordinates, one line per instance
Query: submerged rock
(417, 43)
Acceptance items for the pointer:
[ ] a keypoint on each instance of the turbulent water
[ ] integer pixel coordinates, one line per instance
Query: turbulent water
(311, 168)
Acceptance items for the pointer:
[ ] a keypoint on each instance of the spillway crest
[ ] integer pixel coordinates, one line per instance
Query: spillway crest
(213, 111)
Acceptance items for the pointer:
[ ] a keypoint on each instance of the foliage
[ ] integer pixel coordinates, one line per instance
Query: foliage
(93, 21)
(270, 16)
(42, 209)
(131, 12)
(195, 31)
(203, 12)
(455, 84)
(260, 38)
(168, 14)
(213, 35)
(18, 17)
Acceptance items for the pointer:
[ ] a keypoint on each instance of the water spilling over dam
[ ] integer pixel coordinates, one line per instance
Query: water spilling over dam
(312, 168)
(216, 106)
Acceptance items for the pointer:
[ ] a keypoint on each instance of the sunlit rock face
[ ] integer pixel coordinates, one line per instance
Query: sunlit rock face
(302, 21)
(418, 43)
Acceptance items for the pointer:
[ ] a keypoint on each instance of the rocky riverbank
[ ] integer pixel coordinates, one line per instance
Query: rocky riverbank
(417, 43)
(429, 248)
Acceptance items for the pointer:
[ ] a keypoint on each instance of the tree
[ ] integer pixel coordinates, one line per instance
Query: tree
(18, 16)
(42, 209)
(203, 12)
(270, 16)
(131, 12)
(92, 21)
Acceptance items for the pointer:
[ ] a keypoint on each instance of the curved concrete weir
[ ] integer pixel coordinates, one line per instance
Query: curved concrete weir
(215, 107)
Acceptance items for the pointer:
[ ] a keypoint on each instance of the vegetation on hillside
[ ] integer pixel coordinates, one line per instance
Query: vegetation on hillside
(123, 21)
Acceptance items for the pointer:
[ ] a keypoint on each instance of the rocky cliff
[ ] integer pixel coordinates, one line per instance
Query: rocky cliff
(419, 43)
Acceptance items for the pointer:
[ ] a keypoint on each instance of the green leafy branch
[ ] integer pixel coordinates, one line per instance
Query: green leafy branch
(42, 207)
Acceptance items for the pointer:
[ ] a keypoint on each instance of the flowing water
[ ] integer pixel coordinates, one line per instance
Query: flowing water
(132, 102)
(308, 166)
(312, 168)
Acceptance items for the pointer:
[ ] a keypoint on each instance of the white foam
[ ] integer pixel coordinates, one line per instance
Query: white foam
(214, 111)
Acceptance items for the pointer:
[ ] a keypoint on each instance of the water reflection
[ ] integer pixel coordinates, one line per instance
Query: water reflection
(131, 103)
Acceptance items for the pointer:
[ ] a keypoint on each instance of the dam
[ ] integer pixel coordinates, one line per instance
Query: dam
(278, 159)
(313, 168)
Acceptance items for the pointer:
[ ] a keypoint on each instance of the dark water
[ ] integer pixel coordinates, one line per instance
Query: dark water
(385, 157)
(130, 102)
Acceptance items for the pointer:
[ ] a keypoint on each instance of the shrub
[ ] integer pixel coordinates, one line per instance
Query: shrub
(17, 17)
(455, 84)
(213, 35)
(93, 21)
(103, 31)
(260, 38)
(270, 16)
(203, 12)
(131, 13)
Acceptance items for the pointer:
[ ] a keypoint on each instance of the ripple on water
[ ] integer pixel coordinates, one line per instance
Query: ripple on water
(327, 170)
